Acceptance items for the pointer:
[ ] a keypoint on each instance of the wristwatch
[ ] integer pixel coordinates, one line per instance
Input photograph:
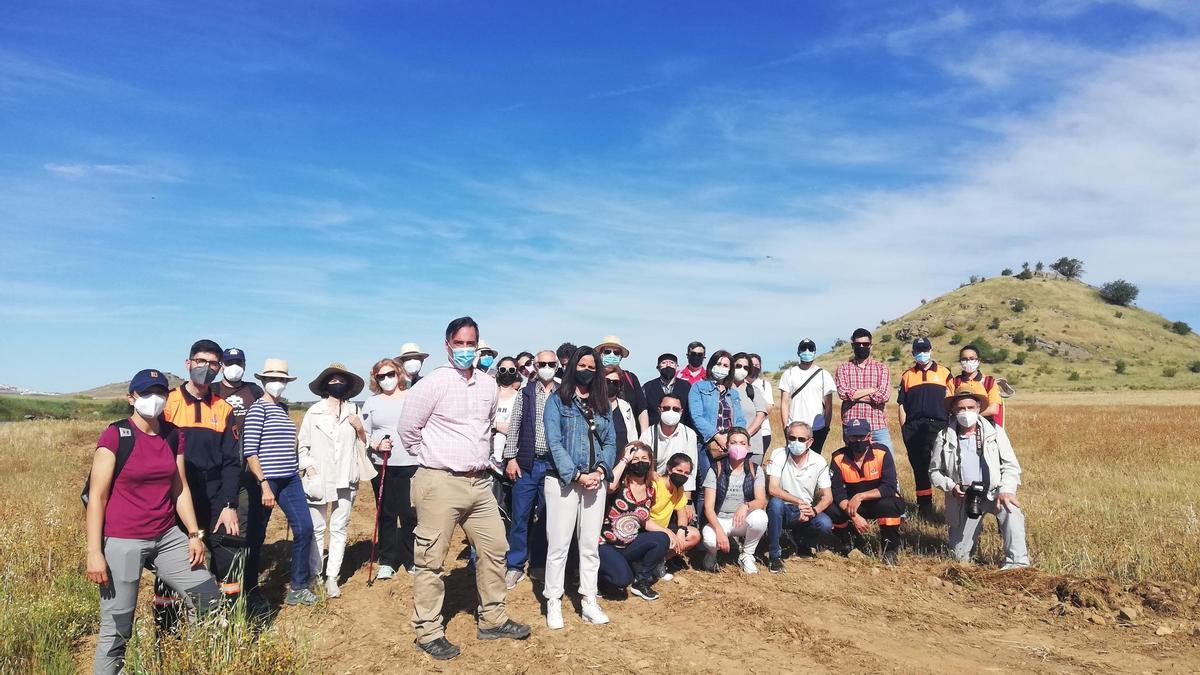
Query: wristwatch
(198, 534)
(231, 505)
(262, 481)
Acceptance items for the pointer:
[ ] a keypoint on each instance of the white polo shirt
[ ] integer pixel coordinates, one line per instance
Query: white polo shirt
(683, 440)
(799, 481)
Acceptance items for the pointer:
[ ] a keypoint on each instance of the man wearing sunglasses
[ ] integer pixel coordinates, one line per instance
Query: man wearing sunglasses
(526, 458)
(799, 491)
(670, 436)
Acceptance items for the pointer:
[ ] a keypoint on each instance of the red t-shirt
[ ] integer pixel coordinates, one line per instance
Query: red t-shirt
(140, 505)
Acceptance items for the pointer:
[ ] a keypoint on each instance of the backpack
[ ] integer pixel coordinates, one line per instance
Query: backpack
(125, 439)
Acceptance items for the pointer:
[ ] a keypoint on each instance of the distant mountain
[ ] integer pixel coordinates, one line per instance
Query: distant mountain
(121, 389)
(10, 390)
(1042, 334)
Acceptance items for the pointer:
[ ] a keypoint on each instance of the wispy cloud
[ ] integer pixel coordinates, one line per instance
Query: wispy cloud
(149, 172)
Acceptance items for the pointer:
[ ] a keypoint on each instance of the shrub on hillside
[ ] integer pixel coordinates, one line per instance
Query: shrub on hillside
(1025, 274)
(886, 337)
(1018, 337)
(1119, 292)
(1119, 314)
(1120, 366)
(1170, 371)
(1194, 366)
(838, 343)
(938, 331)
(956, 338)
(1180, 327)
(1006, 272)
(1019, 305)
(995, 323)
(988, 353)
(1039, 267)
(895, 355)
(1074, 376)
(788, 364)
(1020, 360)
(1069, 268)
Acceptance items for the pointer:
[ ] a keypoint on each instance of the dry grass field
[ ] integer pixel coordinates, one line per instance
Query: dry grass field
(1110, 495)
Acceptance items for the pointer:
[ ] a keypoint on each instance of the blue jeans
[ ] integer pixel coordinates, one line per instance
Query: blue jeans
(782, 514)
(527, 539)
(289, 494)
(882, 435)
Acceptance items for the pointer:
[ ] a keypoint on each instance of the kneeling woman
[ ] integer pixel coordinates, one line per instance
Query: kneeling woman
(132, 506)
(671, 504)
(632, 544)
(734, 498)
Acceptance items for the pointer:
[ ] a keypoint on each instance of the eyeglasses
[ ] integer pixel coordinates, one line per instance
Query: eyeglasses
(380, 377)
(547, 364)
(506, 371)
(615, 352)
(206, 363)
(739, 364)
(802, 439)
(673, 408)
(701, 353)
(864, 344)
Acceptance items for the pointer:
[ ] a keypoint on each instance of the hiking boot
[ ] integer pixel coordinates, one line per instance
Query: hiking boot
(302, 596)
(710, 561)
(385, 572)
(554, 619)
(440, 649)
(512, 578)
(774, 565)
(925, 511)
(509, 629)
(747, 562)
(642, 589)
(592, 612)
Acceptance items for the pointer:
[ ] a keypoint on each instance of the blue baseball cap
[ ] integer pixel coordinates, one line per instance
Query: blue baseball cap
(922, 345)
(146, 379)
(856, 428)
(233, 355)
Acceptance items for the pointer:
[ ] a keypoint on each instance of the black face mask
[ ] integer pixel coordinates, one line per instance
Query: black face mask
(614, 388)
(338, 390)
(678, 480)
(666, 373)
(695, 359)
(584, 377)
(858, 447)
(506, 379)
(639, 469)
(861, 351)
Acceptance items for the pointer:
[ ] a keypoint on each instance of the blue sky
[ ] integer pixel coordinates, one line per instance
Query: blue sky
(317, 181)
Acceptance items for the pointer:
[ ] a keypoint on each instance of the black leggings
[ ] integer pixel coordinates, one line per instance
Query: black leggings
(396, 543)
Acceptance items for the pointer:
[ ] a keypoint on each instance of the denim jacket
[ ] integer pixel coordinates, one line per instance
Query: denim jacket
(567, 436)
(703, 402)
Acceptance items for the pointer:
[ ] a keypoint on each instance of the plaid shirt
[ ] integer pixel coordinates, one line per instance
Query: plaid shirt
(872, 374)
(540, 448)
(447, 420)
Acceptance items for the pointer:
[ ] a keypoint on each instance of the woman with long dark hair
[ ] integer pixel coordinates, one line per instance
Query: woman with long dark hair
(583, 449)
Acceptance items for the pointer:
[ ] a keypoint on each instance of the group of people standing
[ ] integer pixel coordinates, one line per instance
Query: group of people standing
(541, 458)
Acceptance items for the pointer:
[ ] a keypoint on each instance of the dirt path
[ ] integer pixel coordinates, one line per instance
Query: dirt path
(823, 615)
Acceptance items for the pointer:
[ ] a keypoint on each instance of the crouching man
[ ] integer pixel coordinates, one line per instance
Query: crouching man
(974, 463)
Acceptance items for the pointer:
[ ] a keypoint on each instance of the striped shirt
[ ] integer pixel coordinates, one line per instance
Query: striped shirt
(270, 434)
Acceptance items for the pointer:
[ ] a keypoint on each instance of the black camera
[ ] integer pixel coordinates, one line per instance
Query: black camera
(976, 498)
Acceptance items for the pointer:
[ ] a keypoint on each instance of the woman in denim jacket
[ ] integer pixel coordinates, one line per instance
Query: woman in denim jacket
(716, 408)
(582, 442)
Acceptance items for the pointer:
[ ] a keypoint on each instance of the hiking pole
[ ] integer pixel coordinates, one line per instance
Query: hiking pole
(378, 513)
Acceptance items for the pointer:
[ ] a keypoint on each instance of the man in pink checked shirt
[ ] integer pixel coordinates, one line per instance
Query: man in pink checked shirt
(446, 424)
(864, 384)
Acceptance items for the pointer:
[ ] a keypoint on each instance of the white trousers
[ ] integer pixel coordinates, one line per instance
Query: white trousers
(751, 531)
(572, 510)
(338, 523)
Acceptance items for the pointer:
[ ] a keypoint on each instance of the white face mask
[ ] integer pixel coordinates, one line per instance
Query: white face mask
(275, 389)
(720, 372)
(412, 366)
(671, 418)
(389, 384)
(969, 365)
(546, 373)
(150, 406)
(740, 374)
(234, 373)
(966, 418)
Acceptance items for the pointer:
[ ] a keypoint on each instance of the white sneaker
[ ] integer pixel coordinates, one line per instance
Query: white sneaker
(554, 620)
(592, 612)
(331, 588)
(385, 572)
(747, 563)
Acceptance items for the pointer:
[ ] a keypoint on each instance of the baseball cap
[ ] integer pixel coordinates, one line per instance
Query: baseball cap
(233, 355)
(856, 428)
(922, 345)
(146, 379)
(806, 345)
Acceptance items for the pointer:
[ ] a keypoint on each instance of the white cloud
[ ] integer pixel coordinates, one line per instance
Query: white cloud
(148, 172)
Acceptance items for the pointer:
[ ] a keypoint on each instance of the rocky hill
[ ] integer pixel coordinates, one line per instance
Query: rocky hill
(120, 389)
(1043, 334)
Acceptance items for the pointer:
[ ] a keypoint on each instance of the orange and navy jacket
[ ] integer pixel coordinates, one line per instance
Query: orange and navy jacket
(210, 450)
(878, 471)
(923, 392)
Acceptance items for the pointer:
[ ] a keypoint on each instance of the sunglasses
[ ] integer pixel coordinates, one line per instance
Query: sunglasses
(802, 439)
(381, 376)
(547, 364)
(507, 371)
(616, 352)
(673, 408)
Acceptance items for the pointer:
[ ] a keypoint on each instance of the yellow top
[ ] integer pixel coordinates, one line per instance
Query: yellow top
(666, 503)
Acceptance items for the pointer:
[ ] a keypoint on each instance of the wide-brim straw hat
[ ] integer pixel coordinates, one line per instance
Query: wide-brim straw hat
(275, 368)
(411, 350)
(482, 346)
(969, 389)
(356, 382)
(613, 341)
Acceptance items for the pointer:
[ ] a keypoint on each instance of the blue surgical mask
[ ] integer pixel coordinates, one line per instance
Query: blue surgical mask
(797, 448)
(486, 361)
(610, 359)
(923, 358)
(464, 357)
(807, 356)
